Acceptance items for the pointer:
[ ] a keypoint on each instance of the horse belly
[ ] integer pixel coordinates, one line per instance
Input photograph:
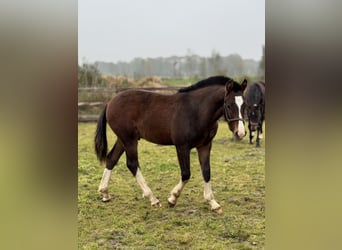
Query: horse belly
(155, 133)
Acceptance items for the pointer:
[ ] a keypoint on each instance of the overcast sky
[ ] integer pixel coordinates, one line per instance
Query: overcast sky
(121, 30)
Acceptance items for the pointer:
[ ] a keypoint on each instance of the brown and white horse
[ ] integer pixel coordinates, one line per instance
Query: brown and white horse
(186, 119)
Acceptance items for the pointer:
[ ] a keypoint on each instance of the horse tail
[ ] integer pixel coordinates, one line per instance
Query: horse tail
(101, 145)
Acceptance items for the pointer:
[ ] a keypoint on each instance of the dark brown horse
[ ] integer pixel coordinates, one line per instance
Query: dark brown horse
(187, 119)
(254, 96)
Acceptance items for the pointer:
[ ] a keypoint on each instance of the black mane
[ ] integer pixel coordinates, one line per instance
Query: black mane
(214, 80)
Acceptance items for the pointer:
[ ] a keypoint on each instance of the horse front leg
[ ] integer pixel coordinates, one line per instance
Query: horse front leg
(204, 159)
(258, 139)
(183, 154)
(259, 135)
(251, 133)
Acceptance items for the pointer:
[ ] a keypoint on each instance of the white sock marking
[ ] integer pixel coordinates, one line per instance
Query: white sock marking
(175, 193)
(142, 183)
(105, 180)
(103, 187)
(145, 188)
(209, 196)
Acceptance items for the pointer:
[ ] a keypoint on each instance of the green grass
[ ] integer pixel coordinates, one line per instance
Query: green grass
(129, 222)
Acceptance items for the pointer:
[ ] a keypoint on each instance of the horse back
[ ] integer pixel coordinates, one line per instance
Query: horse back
(139, 114)
(255, 93)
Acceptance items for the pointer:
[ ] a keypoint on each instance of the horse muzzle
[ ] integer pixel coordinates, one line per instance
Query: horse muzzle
(240, 134)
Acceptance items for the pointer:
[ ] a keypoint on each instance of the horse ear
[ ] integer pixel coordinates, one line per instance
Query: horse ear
(229, 86)
(244, 84)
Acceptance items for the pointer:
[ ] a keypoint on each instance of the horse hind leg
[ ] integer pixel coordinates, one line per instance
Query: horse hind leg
(251, 133)
(133, 166)
(111, 160)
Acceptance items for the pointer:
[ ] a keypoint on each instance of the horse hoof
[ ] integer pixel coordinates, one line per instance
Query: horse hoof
(218, 210)
(171, 204)
(104, 200)
(157, 204)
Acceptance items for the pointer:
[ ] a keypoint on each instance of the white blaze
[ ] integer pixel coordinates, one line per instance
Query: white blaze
(241, 127)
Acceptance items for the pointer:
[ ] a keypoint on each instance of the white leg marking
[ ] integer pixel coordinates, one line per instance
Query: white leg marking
(209, 196)
(175, 193)
(241, 127)
(103, 187)
(145, 188)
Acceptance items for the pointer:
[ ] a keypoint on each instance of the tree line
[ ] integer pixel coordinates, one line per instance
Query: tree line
(187, 66)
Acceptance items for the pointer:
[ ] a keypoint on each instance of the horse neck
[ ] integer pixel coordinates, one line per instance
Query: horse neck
(211, 100)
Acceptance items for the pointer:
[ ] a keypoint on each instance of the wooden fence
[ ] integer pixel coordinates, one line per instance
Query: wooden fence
(94, 118)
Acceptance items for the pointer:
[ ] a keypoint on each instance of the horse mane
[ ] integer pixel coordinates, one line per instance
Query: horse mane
(214, 80)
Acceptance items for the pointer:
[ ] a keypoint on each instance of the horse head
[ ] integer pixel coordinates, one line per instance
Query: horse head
(234, 106)
(254, 115)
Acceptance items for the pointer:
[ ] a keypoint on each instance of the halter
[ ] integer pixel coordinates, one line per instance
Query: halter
(232, 119)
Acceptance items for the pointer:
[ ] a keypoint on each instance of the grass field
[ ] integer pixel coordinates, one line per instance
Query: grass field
(129, 222)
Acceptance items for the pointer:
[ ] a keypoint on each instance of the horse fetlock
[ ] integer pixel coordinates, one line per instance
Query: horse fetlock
(147, 194)
(106, 197)
(102, 189)
(175, 194)
(154, 201)
(208, 196)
